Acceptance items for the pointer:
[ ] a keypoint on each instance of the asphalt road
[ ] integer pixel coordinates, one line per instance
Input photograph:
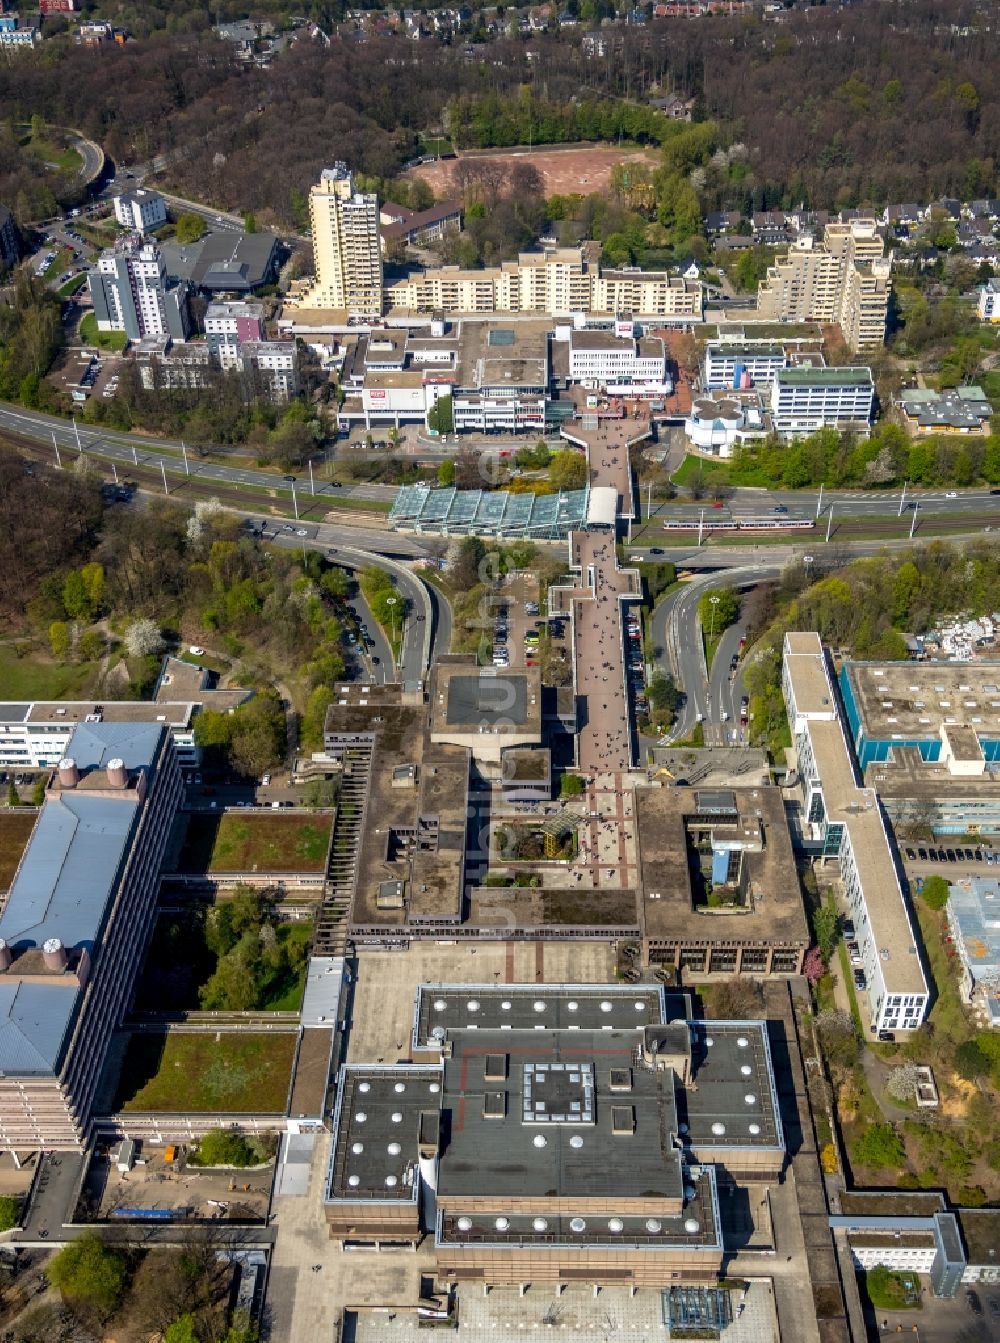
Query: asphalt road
(676, 631)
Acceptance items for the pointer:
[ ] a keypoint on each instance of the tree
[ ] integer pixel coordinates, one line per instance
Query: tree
(571, 785)
(970, 1061)
(242, 1329)
(259, 736)
(880, 1147)
(38, 792)
(736, 999)
(88, 1271)
(59, 639)
(320, 793)
(446, 473)
(935, 892)
(181, 1331)
(189, 228)
(568, 470)
(826, 922)
(440, 418)
(314, 717)
(838, 1037)
(143, 638)
(717, 609)
(663, 693)
(468, 567)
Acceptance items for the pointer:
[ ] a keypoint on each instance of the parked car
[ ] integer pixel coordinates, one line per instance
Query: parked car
(859, 980)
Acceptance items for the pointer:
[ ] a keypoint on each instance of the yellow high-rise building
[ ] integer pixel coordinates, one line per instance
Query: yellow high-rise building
(347, 252)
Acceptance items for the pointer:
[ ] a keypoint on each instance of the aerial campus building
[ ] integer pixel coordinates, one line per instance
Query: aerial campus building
(75, 926)
(844, 820)
(555, 1134)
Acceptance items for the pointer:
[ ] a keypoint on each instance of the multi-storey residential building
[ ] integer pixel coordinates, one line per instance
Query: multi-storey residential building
(844, 279)
(275, 363)
(140, 210)
(552, 282)
(347, 248)
(805, 399)
(228, 322)
(845, 821)
(132, 292)
(9, 248)
(988, 306)
(76, 924)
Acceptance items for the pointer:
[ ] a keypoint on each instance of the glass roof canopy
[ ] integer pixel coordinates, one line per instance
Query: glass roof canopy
(451, 512)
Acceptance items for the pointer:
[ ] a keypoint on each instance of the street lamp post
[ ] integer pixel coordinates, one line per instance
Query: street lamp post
(713, 603)
(913, 520)
(391, 603)
(829, 523)
(902, 501)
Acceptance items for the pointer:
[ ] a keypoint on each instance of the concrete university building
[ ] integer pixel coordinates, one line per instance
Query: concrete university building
(75, 926)
(555, 1134)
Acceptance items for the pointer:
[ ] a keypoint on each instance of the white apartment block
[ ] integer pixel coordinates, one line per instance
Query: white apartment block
(239, 321)
(806, 399)
(602, 359)
(131, 292)
(844, 279)
(276, 363)
(347, 248)
(847, 819)
(988, 306)
(741, 366)
(140, 210)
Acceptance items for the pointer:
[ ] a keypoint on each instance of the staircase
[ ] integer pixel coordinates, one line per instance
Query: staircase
(348, 828)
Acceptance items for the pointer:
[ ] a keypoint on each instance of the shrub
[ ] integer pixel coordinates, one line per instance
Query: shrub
(970, 1061)
(935, 892)
(225, 1147)
(881, 1147)
(89, 1271)
(10, 1212)
(828, 1159)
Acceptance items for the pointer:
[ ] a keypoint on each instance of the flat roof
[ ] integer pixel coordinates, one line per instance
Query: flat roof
(108, 711)
(450, 1007)
(376, 1125)
(523, 359)
(981, 1234)
(222, 260)
(913, 699)
(974, 916)
(559, 1152)
(907, 774)
(824, 377)
(467, 700)
(771, 911)
(733, 1101)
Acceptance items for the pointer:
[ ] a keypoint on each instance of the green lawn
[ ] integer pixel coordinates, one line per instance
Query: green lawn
(72, 286)
(239, 1072)
(255, 842)
(290, 997)
(63, 157)
(692, 467)
(34, 677)
(59, 263)
(107, 340)
(990, 383)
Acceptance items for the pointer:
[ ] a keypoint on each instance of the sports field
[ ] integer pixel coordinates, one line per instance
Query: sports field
(574, 169)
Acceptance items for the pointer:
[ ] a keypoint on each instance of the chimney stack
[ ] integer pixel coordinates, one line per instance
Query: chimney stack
(117, 776)
(54, 954)
(69, 775)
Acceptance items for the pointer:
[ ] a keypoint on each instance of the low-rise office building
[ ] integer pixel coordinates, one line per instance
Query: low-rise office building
(846, 821)
(974, 919)
(76, 924)
(607, 360)
(957, 410)
(741, 365)
(806, 399)
(719, 891)
(719, 422)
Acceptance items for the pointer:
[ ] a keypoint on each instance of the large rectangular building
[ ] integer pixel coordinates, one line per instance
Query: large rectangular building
(132, 292)
(848, 822)
(347, 247)
(806, 399)
(76, 924)
(555, 1134)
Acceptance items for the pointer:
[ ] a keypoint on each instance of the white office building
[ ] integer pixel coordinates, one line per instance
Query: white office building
(739, 366)
(140, 210)
(806, 399)
(845, 821)
(37, 735)
(605, 359)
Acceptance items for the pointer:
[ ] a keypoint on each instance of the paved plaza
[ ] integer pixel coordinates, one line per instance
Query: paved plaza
(575, 1317)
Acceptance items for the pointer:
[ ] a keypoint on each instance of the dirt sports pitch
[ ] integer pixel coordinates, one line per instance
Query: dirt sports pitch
(579, 168)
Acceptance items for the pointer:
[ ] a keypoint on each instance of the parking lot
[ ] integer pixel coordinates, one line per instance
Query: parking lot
(945, 1320)
(516, 621)
(942, 854)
